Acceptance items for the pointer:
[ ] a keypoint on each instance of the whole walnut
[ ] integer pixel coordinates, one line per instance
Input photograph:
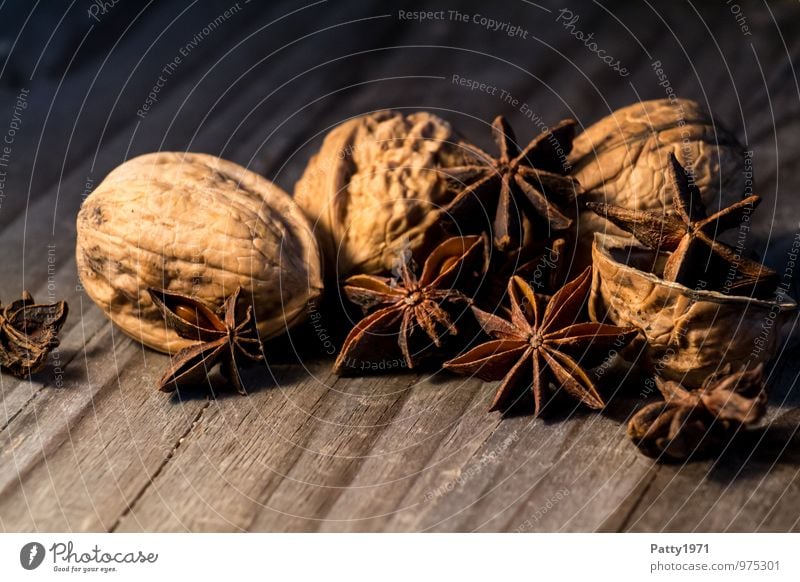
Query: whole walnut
(623, 160)
(374, 191)
(198, 225)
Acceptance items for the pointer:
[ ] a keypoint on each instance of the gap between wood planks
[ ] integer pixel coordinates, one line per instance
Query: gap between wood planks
(160, 468)
(630, 506)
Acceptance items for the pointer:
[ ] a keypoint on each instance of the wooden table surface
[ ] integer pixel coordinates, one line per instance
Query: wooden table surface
(89, 445)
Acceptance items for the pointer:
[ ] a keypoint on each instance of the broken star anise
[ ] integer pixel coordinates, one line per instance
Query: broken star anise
(536, 348)
(28, 332)
(689, 234)
(690, 422)
(404, 307)
(225, 336)
(530, 182)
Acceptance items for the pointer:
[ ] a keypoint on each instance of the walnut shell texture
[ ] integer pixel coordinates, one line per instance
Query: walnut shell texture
(623, 160)
(374, 190)
(198, 225)
(689, 333)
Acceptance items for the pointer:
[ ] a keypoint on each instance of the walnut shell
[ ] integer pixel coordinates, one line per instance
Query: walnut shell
(623, 160)
(198, 225)
(373, 192)
(690, 333)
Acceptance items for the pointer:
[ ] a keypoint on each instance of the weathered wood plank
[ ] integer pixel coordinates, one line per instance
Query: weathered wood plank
(86, 451)
(342, 467)
(416, 459)
(259, 450)
(216, 484)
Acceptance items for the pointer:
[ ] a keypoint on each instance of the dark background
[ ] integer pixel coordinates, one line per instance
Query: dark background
(244, 91)
(262, 89)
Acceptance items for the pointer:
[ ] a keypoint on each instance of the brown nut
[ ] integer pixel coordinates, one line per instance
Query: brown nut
(198, 225)
(623, 160)
(374, 190)
(690, 333)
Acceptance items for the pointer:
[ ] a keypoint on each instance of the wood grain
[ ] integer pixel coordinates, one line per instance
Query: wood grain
(95, 448)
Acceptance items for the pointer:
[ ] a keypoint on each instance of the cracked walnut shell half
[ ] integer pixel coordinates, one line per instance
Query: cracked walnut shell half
(690, 333)
(200, 226)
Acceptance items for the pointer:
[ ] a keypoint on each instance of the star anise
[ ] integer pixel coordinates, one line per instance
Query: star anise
(688, 232)
(405, 307)
(529, 182)
(536, 347)
(224, 336)
(699, 421)
(544, 269)
(28, 332)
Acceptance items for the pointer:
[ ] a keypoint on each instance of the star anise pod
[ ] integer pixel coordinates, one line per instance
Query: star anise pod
(224, 336)
(544, 269)
(689, 233)
(529, 182)
(399, 309)
(28, 332)
(699, 421)
(536, 347)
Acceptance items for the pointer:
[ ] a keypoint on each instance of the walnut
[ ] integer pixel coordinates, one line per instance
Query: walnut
(689, 333)
(623, 160)
(197, 225)
(374, 190)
